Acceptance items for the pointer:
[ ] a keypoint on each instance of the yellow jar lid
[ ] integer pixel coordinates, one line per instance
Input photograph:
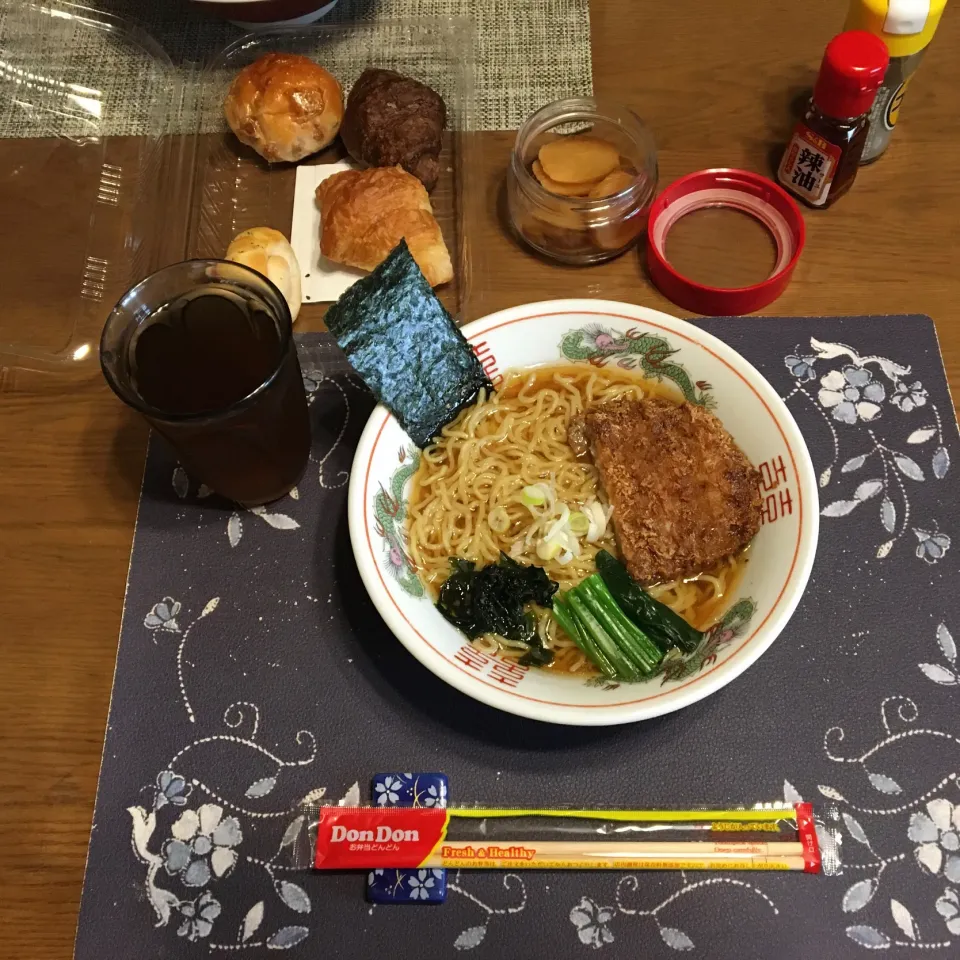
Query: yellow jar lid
(905, 26)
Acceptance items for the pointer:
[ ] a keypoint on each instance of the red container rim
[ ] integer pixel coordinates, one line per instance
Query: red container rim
(741, 190)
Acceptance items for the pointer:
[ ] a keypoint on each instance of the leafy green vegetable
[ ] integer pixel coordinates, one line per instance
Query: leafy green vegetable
(606, 644)
(538, 655)
(493, 600)
(568, 620)
(403, 343)
(667, 628)
(637, 646)
(615, 645)
(631, 653)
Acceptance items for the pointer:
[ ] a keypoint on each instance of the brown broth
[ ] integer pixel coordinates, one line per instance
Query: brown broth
(709, 611)
(704, 613)
(514, 380)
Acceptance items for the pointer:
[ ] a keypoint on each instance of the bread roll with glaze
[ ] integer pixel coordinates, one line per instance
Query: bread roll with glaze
(267, 251)
(284, 106)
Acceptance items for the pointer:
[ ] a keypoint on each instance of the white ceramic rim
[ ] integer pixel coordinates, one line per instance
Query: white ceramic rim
(707, 682)
(255, 25)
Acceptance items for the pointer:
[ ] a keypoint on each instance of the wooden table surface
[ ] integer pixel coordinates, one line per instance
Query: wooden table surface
(718, 84)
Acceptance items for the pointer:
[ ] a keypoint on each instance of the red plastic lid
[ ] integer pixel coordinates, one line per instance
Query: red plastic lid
(740, 190)
(850, 75)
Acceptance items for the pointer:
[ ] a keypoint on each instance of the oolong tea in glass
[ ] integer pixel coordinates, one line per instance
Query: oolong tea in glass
(204, 350)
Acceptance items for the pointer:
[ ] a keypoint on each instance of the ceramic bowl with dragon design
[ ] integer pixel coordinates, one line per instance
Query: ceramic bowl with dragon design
(703, 370)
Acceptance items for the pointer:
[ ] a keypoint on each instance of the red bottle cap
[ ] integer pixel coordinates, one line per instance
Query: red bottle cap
(740, 190)
(850, 75)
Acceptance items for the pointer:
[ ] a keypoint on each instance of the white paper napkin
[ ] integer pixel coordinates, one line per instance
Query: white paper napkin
(322, 280)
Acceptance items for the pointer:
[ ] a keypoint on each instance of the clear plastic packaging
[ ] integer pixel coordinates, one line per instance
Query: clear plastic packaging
(236, 190)
(82, 209)
(113, 162)
(772, 836)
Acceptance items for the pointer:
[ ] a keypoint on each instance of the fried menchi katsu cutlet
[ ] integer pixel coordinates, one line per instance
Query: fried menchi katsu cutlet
(684, 495)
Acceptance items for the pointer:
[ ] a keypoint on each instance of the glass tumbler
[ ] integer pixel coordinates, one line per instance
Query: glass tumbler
(204, 350)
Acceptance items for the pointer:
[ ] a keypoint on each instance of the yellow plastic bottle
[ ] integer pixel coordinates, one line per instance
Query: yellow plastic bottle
(906, 27)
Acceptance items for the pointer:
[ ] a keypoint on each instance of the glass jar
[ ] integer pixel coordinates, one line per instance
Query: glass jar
(577, 229)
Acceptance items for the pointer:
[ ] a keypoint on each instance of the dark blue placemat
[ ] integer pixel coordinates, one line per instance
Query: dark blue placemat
(253, 670)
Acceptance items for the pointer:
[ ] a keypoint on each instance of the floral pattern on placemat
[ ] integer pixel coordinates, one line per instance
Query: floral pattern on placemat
(921, 866)
(203, 831)
(860, 393)
(187, 853)
(595, 924)
(253, 673)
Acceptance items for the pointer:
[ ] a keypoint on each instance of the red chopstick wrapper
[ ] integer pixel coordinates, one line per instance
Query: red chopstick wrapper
(404, 838)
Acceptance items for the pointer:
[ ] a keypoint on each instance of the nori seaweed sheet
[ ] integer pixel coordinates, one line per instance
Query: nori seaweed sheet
(403, 343)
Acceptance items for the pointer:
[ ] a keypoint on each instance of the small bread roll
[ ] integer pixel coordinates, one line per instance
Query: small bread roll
(267, 251)
(365, 213)
(393, 120)
(284, 106)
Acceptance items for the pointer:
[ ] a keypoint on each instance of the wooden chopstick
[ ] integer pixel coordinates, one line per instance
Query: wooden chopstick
(632, 855)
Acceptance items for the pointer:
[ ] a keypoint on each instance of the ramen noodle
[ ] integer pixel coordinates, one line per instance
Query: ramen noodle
(516, 438)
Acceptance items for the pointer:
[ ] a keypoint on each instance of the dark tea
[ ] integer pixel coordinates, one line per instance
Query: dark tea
(215, 370)
(204, 352)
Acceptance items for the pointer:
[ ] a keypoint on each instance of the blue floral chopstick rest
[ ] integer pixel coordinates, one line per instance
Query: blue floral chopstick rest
(408, 886)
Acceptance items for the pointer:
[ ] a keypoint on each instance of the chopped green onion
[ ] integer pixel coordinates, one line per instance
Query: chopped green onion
(597, 518)
(548, 549)
(533, 496)
(579, 523)
(498, 521)
(558, 525)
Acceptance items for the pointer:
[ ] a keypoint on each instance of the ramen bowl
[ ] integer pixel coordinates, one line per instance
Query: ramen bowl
(702, 370)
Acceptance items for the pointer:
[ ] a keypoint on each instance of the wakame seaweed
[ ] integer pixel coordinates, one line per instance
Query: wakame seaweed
(403, 343)
(493, 599)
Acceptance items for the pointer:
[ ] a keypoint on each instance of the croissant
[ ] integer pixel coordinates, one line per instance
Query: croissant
(365, 213)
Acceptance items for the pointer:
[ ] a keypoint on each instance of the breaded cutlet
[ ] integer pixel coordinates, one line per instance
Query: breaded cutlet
(684, 495)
